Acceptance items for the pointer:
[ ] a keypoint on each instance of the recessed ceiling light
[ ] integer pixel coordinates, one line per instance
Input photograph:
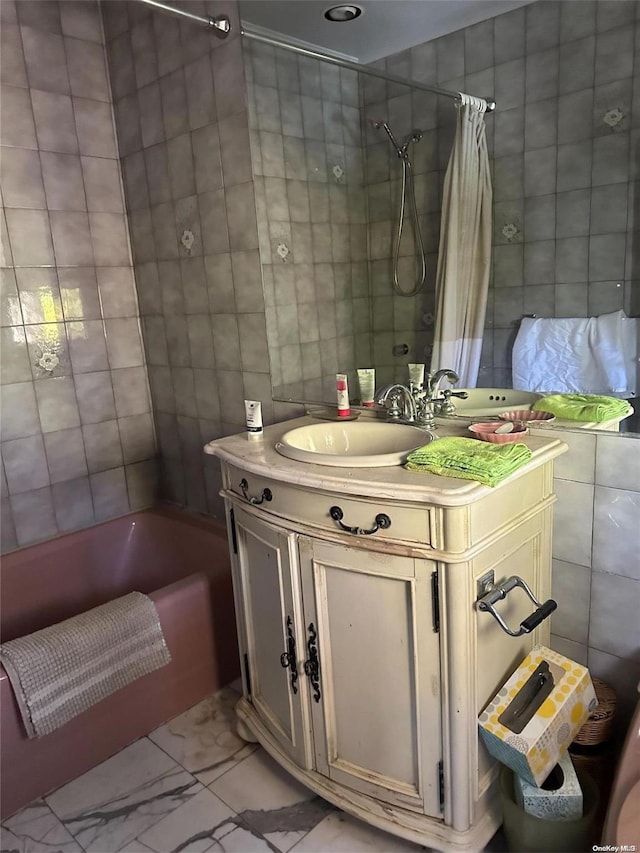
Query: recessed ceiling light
(343, 13)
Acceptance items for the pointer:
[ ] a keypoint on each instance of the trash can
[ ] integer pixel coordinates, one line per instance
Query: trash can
(526, 833)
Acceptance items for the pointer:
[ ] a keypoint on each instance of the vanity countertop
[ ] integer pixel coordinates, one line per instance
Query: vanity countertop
(610, 425)
(259, 456)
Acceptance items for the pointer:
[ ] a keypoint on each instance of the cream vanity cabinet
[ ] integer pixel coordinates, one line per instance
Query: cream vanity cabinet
(363, 618)
(365, 658)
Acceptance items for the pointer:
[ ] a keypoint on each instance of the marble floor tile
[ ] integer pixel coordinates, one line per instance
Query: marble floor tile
(259, 783)
(341, 833)
(135, 846)
(145, 799)
(35, 829)
(112, 804)
(270, 800)
(204, 823)
(203, 739)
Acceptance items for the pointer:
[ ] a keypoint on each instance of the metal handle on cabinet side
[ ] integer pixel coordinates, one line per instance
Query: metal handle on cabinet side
(382, 522)
(497, 592)
(265, 496)
(288, 658)
(312, 664)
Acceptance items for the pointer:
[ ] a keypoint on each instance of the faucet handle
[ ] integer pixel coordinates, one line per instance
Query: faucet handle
(425, 413)
(418, 391)
(394, 410)
(446, 407)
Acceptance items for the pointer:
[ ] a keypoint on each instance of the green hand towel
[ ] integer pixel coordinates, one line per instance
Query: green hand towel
(469, 459)
(583, 407)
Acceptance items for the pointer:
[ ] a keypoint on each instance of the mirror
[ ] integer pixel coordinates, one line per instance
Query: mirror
(328, 189)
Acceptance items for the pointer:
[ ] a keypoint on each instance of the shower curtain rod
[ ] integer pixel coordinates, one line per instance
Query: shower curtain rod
(355, 66)
(222, 26)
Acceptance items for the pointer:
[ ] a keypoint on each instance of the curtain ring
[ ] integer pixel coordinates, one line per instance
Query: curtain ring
(470, 100)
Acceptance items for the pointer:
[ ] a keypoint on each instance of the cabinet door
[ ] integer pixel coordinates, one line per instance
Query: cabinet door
(376, 707)
(270, 600)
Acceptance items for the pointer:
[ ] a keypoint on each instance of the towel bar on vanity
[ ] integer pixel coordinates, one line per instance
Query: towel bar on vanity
(490, 593)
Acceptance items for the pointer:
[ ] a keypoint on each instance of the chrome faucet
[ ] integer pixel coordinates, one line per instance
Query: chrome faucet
(432, 381)
(419, 404)
(402, 408)
(442, 405)
(407, 405)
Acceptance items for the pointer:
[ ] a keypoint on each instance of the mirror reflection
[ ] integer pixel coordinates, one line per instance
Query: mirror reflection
(349, 173)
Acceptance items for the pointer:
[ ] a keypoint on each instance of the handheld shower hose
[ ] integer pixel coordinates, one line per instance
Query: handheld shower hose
(407, 188)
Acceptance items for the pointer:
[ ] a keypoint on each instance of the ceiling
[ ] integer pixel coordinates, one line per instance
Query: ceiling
(384, 27)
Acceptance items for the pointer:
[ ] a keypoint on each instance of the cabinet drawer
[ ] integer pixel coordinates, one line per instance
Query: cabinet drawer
(407, 522)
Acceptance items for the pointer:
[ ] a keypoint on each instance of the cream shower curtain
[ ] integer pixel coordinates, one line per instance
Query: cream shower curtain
(464, 257)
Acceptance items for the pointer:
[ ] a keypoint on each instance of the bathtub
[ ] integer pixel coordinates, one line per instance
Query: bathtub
(182, 563)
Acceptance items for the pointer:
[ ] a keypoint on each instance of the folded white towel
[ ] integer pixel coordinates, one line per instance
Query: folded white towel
(593, 355)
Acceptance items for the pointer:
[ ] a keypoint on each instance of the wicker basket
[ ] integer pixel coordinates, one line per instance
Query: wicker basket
(599, 726)
(599, 763)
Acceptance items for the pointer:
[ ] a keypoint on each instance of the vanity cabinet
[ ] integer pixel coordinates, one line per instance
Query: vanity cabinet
(365, 658)
(269, 599)
(332, 638)
(370, 712)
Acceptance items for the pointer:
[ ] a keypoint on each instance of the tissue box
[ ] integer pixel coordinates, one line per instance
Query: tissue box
(534, 717)
(563, 802)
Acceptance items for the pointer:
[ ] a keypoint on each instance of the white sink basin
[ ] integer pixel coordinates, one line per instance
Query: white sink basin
(353, 444)
(492, 401)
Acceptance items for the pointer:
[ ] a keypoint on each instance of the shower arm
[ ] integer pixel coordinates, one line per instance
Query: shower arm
(400, 151)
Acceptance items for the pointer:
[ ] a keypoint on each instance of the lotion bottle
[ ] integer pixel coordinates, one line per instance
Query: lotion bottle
(367, 382)
(253, 412)
(416, 375)
(342, 393)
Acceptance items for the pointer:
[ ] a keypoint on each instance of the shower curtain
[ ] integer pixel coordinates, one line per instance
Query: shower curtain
(464, 257)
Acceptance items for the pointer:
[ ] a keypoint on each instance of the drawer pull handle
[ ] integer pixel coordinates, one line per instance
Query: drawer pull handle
(494, 593)
(382, 522)
(288, 658)
(312, 664)
(265, 496)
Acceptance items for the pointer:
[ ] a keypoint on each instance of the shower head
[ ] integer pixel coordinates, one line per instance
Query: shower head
(401, 150)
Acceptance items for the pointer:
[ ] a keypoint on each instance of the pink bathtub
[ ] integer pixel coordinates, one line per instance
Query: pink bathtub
(182, 563)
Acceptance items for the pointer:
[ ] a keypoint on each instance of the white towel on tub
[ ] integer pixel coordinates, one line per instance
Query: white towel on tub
(592, 355)
(62, 670)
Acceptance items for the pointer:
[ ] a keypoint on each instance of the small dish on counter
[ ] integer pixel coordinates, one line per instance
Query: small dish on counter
(488, 432)
(527, 415)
